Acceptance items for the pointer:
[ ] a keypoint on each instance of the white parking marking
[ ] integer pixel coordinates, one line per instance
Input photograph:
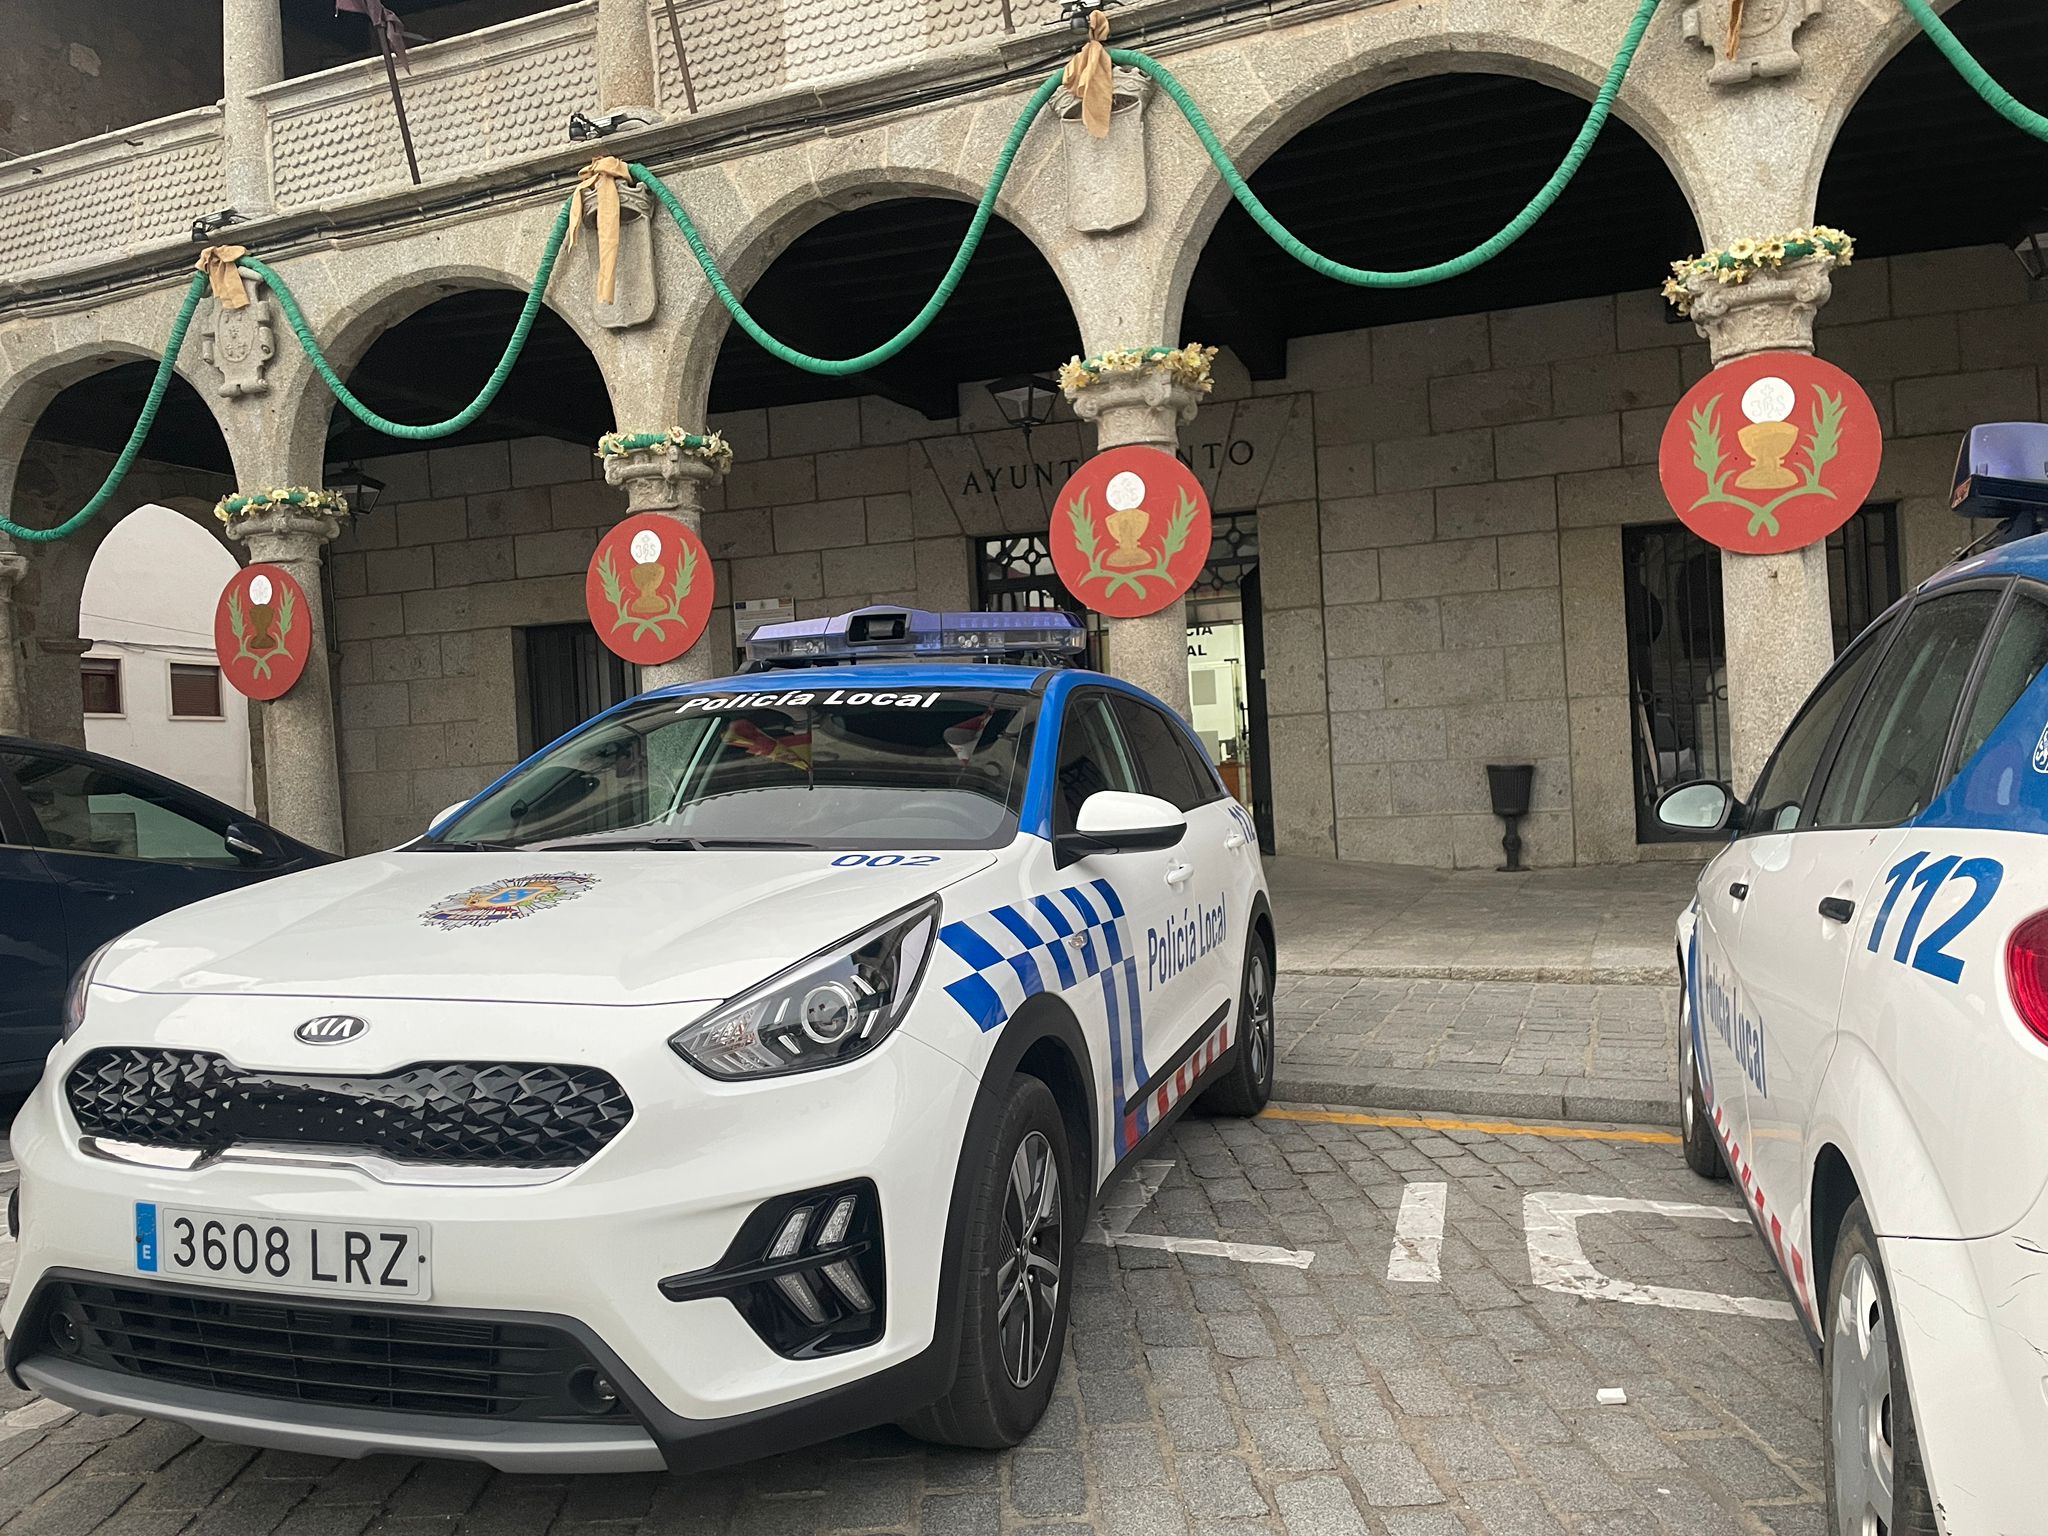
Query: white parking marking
(1127, 1196)
(1558, 1262)
(1417, 1254)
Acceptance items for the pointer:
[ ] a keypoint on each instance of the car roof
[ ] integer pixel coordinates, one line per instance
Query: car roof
(2023, 557)
(869, 675)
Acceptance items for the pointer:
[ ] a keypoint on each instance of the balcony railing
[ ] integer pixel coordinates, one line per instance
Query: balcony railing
(89, 201)
(473, 102)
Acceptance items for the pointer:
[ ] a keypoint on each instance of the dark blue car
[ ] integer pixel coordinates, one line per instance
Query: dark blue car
(89, 848)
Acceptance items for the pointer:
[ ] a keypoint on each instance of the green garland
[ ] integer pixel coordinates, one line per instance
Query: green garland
(1190, 364)
(304, 498)
(709, 447)
(1738, 262)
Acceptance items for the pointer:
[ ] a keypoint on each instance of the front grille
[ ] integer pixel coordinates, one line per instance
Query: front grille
(401, 1362)
(489, 1114)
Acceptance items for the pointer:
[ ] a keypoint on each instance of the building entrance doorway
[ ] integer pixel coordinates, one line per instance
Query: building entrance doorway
(1226, 642)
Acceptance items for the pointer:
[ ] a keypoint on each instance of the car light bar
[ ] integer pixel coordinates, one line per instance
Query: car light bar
(876, 633)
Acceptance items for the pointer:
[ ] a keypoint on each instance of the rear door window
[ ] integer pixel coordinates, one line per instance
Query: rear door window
(1166, 756)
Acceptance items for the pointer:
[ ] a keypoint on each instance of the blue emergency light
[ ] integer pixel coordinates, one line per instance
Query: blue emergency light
(2002, 470)
(874, 634)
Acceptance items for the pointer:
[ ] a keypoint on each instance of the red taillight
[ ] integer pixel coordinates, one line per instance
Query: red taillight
(2026, 971)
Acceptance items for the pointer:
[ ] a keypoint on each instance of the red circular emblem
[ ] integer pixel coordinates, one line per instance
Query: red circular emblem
(649, 589)
(263, 631)
(1130, 531)
(1770, 453)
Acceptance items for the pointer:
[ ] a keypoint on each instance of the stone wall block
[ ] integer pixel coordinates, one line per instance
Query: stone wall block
(788, 576)
(586, 504)
(1546, 840)
(350, 575)
(820, 525)
(365, 618)
(469, 469)
(1387, 736)
(1610, 497)
(1449, 458)
(729, 535)
(1426, 570)
(1304, 821)
(1642, 434)
(412, 747)
(564, 553)
(1517, 731)
(2002, 338)
(1560, 446)
(1895, 349)
(1364, 789)
(1528, 560)
(1371, 413)
(1535, 671)
(945, 579)
(1344, 469)
(404, 475)
(1973, 277)
(473, 561)
(430, 522)
(1862, 292)
(746, 432)
(1603, 781)
(1442, 678)
(444, 698)
(771, 482)
(1544, 333)
(1290, 556)
(1501, 506)
(1423, 840)
(1357, 683)
(1296, 679)
(889, 518)
(529, 510)
(1958, 401)
(401, 658)
(1457, 344)
(399, 570)
(551, 461)
(1459, 402)
(865, 471)
(1594, 618)
(1384, 629)
(813, 427)
(1372, 522)
(1620, 381)
(1351, 576)
(1527, 617)
(1326, 363)
(373, 705)
(868, 570)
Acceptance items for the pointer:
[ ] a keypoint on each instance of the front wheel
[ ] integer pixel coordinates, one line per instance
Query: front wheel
(1874, 1479)
(1016, 1283)
(1247, 1085)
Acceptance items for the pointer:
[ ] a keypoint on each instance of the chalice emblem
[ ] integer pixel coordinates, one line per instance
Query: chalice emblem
(646, 575)
(262, 612)
(263, 622)
(1127, 523)
(1769, 437)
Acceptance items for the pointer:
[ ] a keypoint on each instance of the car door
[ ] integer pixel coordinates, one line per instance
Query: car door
(1812, 885)
(121, 845)
(1210, 884)
(1730, 1031)
(35, 957)
(1922, 1004)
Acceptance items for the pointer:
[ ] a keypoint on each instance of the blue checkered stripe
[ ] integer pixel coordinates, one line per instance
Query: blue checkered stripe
(1075, 937)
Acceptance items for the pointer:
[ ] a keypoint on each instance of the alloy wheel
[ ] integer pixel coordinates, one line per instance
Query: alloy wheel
(1860, 1383)
(1258, 1009)
(1688, 1075)
(1028, 1279)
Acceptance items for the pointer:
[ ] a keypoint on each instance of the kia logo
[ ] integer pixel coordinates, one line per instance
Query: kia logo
(331, 1030)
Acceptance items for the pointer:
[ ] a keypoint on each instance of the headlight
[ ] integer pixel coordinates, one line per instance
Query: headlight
(74, 995)
(839, 1004)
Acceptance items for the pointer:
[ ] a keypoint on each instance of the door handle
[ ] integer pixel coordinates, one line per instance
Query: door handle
(1235, 841)
(1837, 909)
(1739, 890)
(1179, 873)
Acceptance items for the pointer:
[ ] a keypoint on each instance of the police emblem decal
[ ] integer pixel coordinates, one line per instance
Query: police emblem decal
(502, 901)
(2041, 752)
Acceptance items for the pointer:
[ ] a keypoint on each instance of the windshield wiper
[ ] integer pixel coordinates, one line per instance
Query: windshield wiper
(458, 845)
(754, 842)
(606, 841)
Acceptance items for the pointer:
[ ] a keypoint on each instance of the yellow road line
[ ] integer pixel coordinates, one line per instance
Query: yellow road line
(1490, 1127)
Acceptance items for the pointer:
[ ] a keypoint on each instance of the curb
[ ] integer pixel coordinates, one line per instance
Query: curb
(1616, 1103)
(1570, 975)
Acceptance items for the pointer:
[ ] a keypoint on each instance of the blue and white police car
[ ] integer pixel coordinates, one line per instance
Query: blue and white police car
(737, 1072)
(1863, 1044)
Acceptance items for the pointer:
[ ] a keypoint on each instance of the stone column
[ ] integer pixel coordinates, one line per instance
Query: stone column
(302, 769)
(1775, 607)
(13, 704)
(252, 56)
(670, 482)
(625, 58)
(1144, 409)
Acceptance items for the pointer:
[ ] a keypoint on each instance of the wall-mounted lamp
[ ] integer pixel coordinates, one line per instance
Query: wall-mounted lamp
(1026, 401)
(360, 487)
(2031, 246)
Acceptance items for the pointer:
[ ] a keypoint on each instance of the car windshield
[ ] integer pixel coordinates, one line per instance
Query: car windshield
(842, 768)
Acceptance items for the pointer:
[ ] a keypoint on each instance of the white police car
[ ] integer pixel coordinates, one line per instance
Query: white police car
(1864, 1042)
(737, 1072)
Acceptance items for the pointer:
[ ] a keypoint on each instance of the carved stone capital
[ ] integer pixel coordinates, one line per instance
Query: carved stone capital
(1771, 312)
(1764, 49)
(662, 479)
(239, 343)
(13, 566)
(280, 535)
(1147, 388)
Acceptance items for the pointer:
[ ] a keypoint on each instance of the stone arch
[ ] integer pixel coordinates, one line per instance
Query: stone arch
(1882, 38)
(1386, 47)
(746, 246)
(353, 298)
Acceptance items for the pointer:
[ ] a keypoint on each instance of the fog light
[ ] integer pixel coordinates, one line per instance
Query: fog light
(65, 1334)
(801, 1297)
(592, 1391)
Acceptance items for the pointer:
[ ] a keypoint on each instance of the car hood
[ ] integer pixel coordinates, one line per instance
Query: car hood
(615, 927)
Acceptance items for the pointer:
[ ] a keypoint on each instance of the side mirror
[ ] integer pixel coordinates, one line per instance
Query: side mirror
(447, 815)
(1112, 821)
(1702, 809)
(253, 843)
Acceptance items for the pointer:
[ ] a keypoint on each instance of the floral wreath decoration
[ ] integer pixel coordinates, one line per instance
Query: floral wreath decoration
(1738, 262)
(1190, 365)
(706, 447)
(304, 498)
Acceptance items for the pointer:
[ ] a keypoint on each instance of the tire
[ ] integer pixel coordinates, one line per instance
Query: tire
(1695, 1120)
(1247, 1084)
(1012, 1332)
(1872, 1453)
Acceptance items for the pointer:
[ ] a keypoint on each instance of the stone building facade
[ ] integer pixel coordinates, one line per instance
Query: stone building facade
(1447, 513)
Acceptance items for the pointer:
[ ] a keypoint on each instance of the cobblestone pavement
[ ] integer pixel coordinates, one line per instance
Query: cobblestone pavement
(1487, 1047)
(1200, 1394)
